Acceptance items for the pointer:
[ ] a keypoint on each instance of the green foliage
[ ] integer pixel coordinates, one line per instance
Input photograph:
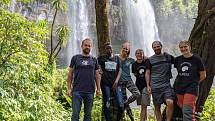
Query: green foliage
(186, 7)
(63, 33)
(26, 84)
(208, 113)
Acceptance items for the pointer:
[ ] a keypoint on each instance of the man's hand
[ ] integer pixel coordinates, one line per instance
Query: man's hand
(69, 92)
(98, 93)
(115, 85)
(149, 89)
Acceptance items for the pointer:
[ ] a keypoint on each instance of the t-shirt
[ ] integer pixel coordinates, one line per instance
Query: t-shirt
(84, 72)
(160, 68)
(188, 77)
(126, 76)
(139, 70)
(110, 67)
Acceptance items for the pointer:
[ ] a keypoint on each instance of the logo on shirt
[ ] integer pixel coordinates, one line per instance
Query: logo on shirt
(110, 66)
(85, 62)
(185, 69)
(141, 71)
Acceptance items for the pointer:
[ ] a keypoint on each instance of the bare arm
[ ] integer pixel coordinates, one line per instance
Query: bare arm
(147, 77)
(117, 79)
(98, 79)
(202, 75)
(69, 82)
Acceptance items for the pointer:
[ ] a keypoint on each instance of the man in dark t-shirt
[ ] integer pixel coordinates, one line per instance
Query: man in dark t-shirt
(158, 74)
(83, 71)
(139, 69)
(111, 71)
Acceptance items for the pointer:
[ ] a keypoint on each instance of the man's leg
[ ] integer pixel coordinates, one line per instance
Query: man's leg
(121, 96)
(158, 112)
(76, 105)
(169, 109)
(189, 107)
(106, 102)
(143, 113)
(88, 104)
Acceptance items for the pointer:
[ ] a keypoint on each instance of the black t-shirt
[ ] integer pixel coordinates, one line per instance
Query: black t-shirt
(84, 73)
(139, 70)
(187, 80)
(110, 67)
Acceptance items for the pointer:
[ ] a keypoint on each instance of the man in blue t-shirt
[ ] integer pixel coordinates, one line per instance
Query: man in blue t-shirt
(83, 71)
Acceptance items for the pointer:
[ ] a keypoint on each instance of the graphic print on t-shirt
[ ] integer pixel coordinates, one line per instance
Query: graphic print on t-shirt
(185, 69)
(85, 62)
(110, 66)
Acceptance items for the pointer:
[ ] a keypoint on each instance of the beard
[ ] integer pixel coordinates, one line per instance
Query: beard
(157, 52)
(86, 51)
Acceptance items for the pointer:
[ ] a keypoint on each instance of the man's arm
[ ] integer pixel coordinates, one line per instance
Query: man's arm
(69, 82)
(117, 79)
(202, 75)
(98, 79)
(147, 78)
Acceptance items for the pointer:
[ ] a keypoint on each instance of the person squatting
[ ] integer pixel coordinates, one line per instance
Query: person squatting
(112, 75)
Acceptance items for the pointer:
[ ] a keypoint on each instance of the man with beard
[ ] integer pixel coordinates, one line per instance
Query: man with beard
(158, 74)
(111, 71)
(83, 71)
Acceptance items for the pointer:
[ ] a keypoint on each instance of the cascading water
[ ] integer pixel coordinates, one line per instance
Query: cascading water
(12, 6)
(141, 25)
(82, 22)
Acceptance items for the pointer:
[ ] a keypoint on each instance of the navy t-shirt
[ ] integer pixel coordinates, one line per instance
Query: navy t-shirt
(84, 73)
(139, 70)
(187, 80)
(110, 67)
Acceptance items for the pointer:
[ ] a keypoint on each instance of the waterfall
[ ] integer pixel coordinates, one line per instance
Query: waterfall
(82, 22)
(12, 6)
(141, 25)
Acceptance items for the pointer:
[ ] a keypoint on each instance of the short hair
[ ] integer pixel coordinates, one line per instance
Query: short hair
(107, 44)
(157, 42)
(86, 39)
(139, 50)
(185, 42)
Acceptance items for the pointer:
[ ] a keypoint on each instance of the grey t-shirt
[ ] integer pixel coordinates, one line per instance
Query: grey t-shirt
(84, 73)
(126, 70)
(160, 68)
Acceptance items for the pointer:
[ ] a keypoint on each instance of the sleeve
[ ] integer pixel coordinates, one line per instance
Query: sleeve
(96, 64)
(72, 63)
(172, 59)
(119, 64)
(200, 64)
(133, 68)
(175, 62)
(148, 64)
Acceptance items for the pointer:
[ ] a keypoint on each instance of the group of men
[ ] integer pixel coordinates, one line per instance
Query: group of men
(152, 77)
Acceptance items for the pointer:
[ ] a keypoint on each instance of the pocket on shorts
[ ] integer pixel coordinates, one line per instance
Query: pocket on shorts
(145, 97)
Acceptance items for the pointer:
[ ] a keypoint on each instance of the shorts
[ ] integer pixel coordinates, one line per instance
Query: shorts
(144, 98)
(160, 95)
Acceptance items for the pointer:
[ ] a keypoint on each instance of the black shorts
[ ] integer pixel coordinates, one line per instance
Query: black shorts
(160, 95)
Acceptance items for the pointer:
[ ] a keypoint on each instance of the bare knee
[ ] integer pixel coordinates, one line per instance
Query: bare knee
(169, 102)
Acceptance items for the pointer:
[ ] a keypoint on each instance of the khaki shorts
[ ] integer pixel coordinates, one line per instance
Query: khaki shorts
(144, 98)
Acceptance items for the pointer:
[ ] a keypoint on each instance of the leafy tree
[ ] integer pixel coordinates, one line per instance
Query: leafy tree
(26, 84)
(203, 43)
(58, 5)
